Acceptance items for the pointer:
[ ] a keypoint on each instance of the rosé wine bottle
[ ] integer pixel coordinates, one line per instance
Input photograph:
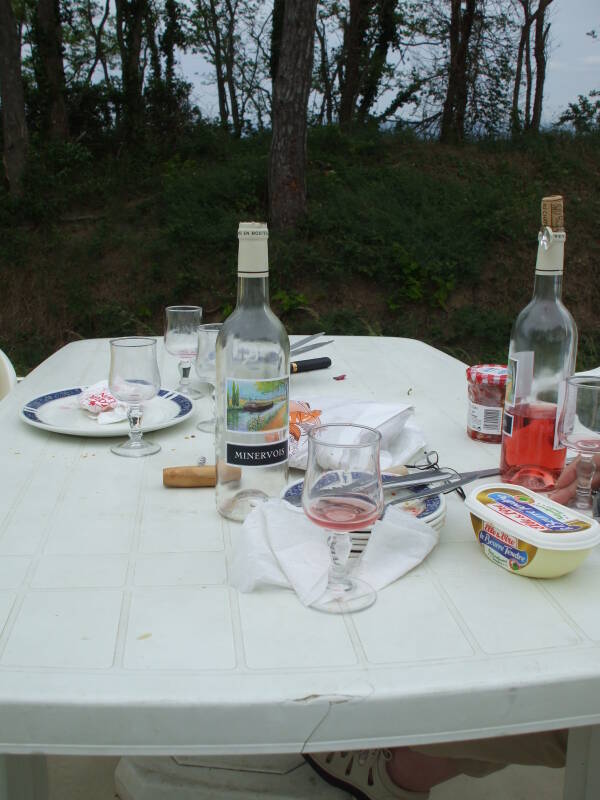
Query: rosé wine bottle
(542, 355)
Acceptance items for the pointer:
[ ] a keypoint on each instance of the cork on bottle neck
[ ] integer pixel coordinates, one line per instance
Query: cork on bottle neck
(551, 237)
(552, 213)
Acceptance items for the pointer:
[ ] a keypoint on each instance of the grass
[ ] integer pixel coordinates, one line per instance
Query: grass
(402, 238)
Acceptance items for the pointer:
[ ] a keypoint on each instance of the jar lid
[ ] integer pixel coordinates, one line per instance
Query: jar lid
(494, 374)
(533, 518)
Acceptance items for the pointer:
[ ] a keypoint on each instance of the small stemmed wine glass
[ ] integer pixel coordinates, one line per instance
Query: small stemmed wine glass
(206, 368)
(182, 324)
(579, 429)
(343, 493)
(134, 379)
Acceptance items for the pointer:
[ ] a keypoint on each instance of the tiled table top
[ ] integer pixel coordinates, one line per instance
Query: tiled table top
(119, 632)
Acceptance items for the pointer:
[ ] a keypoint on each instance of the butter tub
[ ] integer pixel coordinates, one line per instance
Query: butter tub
(529, 534)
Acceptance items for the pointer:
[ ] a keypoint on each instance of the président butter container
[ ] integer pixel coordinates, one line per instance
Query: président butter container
(528, 533)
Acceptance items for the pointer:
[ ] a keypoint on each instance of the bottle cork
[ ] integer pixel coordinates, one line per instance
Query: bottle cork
(552, 213)
(188, 477)
(194, 477)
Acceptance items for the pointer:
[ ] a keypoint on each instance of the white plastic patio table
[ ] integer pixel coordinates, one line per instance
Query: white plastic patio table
(120, 634)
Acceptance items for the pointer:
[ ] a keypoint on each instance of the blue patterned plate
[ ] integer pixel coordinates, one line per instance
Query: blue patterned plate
(60, 412)
(428, 509)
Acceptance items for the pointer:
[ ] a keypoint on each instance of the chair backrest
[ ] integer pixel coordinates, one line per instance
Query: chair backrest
(8, 376)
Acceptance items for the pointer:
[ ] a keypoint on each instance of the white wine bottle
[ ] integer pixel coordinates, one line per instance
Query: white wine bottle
(542, 355)
(252, 388)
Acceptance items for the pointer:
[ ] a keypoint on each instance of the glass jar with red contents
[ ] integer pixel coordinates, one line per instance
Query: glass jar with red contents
(486, 385)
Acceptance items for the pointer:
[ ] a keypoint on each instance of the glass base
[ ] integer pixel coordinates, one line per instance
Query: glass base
(241, 504)
(537, 479)
(188, 391)
(582, 505)
(207, 425)
(353, 595)
(135, 449)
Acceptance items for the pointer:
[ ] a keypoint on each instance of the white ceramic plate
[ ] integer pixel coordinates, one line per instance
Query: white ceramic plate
(60, 412)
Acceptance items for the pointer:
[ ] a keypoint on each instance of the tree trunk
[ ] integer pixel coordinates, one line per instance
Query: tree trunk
(515, 122)
(455, 104)
(215, 40)
(48, 36)
(152, 45)
(541, 56)
(230, 68)
(130, 19)
(287, 157)
(325, 77)
(528, 82)
(97, 34)
(14, 125)
(386, 34)
(353, 55)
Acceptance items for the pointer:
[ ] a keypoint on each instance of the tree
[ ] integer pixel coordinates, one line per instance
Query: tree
(385, 35)
(291, 86)
(355, 31)
(542, 29)
(455, 103)
(130, 29)
(584, 115)
(14, 125)
(50, 69)
(523, 56)
(230, 34)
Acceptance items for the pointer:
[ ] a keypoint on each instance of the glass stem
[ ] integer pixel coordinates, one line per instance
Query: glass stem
(339, 547)
(134, 415)
(184, 372)
(585, 472)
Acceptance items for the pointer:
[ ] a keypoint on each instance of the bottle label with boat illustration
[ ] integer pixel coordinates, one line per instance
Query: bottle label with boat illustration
(257, 421)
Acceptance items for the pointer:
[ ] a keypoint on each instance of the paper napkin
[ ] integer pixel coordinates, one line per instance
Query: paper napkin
(279, 546)
(401, 436)
(100, 404)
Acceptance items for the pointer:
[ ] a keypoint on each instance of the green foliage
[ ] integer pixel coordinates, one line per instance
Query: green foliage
(402, 238)
(584, 115)
(288, 301)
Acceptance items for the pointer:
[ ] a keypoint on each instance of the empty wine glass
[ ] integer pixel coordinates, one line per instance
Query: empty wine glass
(181, 339)
(579, 429)
(342, 493)
(206, 368)
(134, 379)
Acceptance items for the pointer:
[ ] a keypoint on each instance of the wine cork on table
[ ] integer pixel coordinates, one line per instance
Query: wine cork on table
(194, 477)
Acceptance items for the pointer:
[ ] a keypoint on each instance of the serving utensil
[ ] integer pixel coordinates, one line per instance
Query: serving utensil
(303, 345)
(449, 484)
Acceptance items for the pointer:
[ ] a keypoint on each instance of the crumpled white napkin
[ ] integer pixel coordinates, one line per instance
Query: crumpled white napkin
(279, 546)
(400, 435)
(116, 414)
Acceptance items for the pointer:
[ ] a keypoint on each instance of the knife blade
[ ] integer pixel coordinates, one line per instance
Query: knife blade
(306, 340)
(297, 350)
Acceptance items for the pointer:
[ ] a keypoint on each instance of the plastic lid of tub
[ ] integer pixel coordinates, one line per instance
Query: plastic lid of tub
(532, 517)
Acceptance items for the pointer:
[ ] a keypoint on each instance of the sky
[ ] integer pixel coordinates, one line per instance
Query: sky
(573, 68)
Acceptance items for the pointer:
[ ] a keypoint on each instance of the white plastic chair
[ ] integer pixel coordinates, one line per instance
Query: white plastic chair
(8, 376)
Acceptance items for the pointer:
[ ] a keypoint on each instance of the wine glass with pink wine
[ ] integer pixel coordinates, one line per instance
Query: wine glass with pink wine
(342, 493)
(579, 429)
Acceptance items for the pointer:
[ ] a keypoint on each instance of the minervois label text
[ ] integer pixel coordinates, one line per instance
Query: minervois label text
(262, 455)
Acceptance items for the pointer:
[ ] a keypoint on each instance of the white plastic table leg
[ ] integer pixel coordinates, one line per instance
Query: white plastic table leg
(582, 774)
(23, 778)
